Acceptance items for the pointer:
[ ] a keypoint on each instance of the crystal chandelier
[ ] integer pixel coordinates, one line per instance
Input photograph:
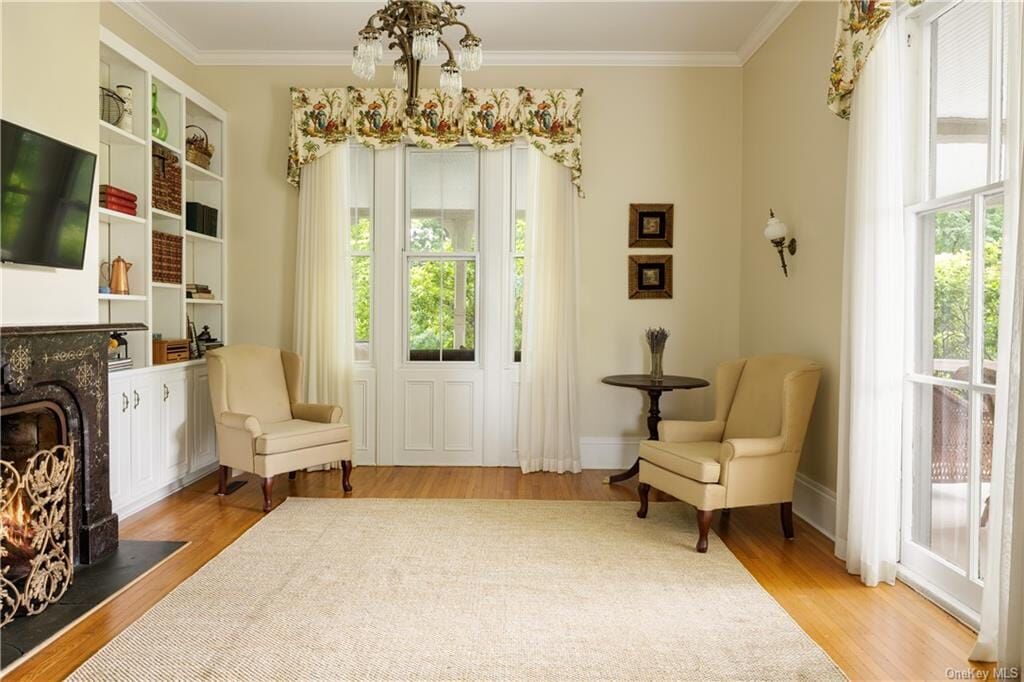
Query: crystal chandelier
(414, 27)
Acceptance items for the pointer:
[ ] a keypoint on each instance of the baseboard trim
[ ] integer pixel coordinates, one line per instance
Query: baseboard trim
(812, 501)
(816, 505)
(151, 498)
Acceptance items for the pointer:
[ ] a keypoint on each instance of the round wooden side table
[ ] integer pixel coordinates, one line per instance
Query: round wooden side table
(654, 388)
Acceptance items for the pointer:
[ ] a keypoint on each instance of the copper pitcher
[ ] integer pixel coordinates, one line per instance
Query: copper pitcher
(117, 275)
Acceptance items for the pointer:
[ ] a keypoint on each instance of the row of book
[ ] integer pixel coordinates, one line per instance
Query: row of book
(118, 365)
(200, 291)
(120, 200)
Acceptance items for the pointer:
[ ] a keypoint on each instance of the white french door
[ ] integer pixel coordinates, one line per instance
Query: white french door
(956, 56)
(443, 292)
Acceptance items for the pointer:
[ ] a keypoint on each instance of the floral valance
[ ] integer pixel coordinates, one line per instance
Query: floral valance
(859, 25)
(488, 118)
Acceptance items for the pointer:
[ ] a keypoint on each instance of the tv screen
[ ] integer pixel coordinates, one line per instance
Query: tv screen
(46, 198)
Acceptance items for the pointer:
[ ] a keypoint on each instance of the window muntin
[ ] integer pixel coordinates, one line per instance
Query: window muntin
(360, 195)
(441, 248)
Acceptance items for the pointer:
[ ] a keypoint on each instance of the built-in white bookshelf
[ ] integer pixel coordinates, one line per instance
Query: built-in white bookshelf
(126, 162)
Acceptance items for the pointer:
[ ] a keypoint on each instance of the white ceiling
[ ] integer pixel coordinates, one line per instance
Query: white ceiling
(713, 32)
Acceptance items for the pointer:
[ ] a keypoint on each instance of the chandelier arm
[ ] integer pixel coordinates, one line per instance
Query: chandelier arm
(451, 55)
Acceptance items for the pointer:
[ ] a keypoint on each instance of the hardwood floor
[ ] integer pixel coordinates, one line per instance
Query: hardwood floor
(881, 633)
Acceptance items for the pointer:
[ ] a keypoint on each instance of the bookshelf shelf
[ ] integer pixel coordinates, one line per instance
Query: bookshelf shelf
(109, 216)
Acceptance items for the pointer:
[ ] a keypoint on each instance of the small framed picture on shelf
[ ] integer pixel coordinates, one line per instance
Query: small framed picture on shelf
(650, 276)
(650, 226)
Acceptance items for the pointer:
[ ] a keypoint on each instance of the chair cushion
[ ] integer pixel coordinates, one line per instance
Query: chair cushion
(296, 434)
(696, 461)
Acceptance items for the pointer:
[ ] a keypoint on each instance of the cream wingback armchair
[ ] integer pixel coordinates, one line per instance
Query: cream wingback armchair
(748, 453)
(262, 427)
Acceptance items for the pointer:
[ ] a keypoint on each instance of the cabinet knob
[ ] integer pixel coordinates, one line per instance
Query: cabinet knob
(167, 392)
(124, 402)
(137, 399)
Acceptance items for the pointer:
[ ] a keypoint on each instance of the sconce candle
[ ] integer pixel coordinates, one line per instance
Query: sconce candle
(776, 231)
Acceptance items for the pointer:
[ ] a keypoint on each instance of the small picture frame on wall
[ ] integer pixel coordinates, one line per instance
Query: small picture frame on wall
(650, 276)
(650, 226)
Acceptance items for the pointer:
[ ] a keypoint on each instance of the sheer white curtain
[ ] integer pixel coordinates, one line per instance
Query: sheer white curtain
(871, 367)
(323, 281)
(547, 430)
(1001, 637)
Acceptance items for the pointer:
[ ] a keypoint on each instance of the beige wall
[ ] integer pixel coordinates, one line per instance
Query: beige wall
(651, 135)
(723, 145)
(794, 160)
(50, 71)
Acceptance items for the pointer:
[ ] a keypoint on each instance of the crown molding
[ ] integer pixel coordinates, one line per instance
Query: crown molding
(160, 28)
(492, 58)
(151, 21)
(764, 30)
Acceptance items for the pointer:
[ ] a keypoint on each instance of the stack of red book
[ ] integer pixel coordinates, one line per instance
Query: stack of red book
(117, 199)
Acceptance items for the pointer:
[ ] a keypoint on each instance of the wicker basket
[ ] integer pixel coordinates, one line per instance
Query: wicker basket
(198, 149)
(111, 106)
(166, 258)
(166, 180)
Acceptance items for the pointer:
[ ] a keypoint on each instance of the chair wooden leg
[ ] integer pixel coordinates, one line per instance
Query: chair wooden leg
(723, 521)
(644, 489)
(268, 487)
(346, 473)
(786, 514)
(222, 487)
(703, 525)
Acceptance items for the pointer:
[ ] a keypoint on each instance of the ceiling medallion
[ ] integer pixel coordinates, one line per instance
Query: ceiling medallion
(414, 27)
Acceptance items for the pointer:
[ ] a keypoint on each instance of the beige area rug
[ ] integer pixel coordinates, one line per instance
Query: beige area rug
(466, 589)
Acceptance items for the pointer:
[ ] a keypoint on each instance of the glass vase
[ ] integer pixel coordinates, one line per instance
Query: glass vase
(159, 122)
(657, 373)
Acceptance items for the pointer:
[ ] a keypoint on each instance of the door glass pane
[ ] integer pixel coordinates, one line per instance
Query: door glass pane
(941, 495)
(362, 269)
(993, 245)
(443, 200)
(442, 310)
(960, 115)
(947, 284)
(360, 197)
(987, 403)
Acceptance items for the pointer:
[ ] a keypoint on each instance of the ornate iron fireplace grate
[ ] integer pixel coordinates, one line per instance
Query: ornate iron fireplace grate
(37, 548)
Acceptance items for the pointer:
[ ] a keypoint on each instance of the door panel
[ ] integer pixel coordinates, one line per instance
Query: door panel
(439, 416)
(120, 432)
(203, 435)
(174, 424)
(146, 434)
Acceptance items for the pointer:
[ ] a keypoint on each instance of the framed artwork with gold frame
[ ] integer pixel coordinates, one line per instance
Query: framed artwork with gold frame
(650, 276)
(650, 226)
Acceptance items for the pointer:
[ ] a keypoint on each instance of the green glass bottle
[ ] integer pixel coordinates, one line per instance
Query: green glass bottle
(159, 122)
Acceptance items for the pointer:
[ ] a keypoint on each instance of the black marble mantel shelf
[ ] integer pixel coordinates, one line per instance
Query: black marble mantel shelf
(40, 330)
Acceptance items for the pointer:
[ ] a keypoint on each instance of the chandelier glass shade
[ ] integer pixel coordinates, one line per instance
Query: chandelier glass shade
(414, 28)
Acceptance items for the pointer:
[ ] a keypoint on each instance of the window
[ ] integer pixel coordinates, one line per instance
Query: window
(441, 253)
(956, 242)
(517, 247)
(360, 192)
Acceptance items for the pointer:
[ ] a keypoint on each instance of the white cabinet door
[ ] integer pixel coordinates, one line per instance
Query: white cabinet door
(147, 441)
(204, 440)
(119, 430)
(173, 425)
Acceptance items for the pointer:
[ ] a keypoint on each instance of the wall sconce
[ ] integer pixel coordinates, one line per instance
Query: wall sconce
(776, 232)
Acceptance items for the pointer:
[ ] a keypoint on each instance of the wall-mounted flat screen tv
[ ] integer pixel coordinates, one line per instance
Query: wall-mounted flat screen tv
(46, 198)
